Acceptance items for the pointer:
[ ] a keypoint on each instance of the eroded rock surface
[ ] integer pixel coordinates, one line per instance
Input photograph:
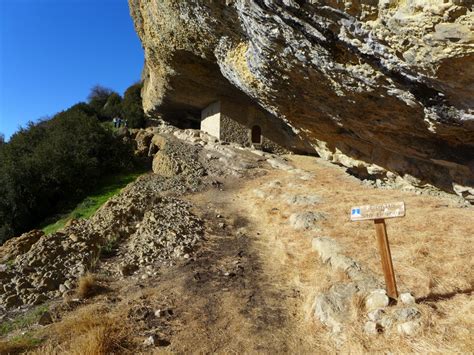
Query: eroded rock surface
(371, 84)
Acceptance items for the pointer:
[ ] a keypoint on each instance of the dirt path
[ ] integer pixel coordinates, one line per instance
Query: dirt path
(251, 285)
(268, 305)
(233, 295)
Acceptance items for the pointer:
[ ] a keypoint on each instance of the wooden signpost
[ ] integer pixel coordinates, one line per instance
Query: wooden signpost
(379, 213)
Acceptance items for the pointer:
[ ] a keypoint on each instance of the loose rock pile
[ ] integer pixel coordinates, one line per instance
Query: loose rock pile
(52, 263)
(167, 231)
(145, 225)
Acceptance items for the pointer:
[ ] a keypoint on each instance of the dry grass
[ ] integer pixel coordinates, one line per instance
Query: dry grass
(87, 286)
(431, 248)
(358, 307)
(91, 330)
(16, 346)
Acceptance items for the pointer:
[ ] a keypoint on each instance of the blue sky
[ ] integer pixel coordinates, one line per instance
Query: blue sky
(53, 51)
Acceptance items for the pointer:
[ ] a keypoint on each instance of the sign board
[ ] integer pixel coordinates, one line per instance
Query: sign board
(378, 213)
(386, 210)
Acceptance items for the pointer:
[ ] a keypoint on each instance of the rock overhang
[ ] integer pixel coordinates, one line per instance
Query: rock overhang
(373, 81)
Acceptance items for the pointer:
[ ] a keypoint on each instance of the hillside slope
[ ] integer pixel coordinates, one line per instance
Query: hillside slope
(213, 253)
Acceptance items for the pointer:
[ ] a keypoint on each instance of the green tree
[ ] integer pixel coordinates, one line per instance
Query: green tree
(113, 106)
(2, 138)
(132, 106)
(53, 161)
(98, 98)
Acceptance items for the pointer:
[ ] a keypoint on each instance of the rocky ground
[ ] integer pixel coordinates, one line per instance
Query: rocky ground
(224, 249)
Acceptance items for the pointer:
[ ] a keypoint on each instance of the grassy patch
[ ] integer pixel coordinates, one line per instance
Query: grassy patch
(109, 249)
(109, 187)
(23, 321)
(10, 263)
(91, 329)
(20, 344)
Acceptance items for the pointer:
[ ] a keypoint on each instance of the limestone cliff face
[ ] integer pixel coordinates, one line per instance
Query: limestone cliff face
(388, 83)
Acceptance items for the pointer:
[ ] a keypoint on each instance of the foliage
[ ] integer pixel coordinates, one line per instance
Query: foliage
(20, 344)
(110, 247)
(132, 107)
(107, 104)
(104, 102)
(62, 158)
(23, 321)
(52, 161)
(113, 106)
(107, 188)
(98, 97)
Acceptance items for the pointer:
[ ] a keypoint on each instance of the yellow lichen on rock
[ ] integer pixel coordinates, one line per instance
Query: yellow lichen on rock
(236, 58)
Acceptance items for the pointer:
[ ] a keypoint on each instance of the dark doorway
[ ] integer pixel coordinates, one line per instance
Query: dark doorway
(256, 135)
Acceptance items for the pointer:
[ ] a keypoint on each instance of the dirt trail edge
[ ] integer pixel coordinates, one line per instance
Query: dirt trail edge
(213, 253)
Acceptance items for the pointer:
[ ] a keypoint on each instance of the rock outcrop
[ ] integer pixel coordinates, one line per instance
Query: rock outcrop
(371, 84)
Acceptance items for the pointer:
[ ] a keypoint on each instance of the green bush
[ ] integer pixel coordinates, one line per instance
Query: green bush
(54, 161)
(105, 103)
(98, 97)
(113, 106)
(132, 107)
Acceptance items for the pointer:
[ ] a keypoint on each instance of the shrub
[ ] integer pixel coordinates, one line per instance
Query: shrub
(98, 97)
(132, 107)
(113, 106)
(54, 161)
(87, 286)
(105, 102)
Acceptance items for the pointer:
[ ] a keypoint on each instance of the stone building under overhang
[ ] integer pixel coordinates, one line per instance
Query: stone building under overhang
(249, 125)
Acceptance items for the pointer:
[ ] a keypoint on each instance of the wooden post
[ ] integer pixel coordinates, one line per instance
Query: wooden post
(378, 213)
(386, 257)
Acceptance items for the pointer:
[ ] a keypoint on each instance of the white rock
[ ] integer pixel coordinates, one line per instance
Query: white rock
(150, 341)
(407, 298)
(324, 311)
(370, 327)
(305, 220)
(376, 315)
(406, 314)
(408, 328)
(279, 164)
(376, 299)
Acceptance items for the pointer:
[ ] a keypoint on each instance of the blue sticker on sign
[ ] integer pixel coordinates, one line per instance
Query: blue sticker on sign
(355, 212)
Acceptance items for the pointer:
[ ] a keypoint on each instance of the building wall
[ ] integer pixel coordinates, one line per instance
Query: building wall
(231, 129)
(232, 122)
(237, 123)
(211, 119)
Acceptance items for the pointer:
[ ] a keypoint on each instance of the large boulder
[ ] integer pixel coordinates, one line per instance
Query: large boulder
(381, 82)
(176, 157)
